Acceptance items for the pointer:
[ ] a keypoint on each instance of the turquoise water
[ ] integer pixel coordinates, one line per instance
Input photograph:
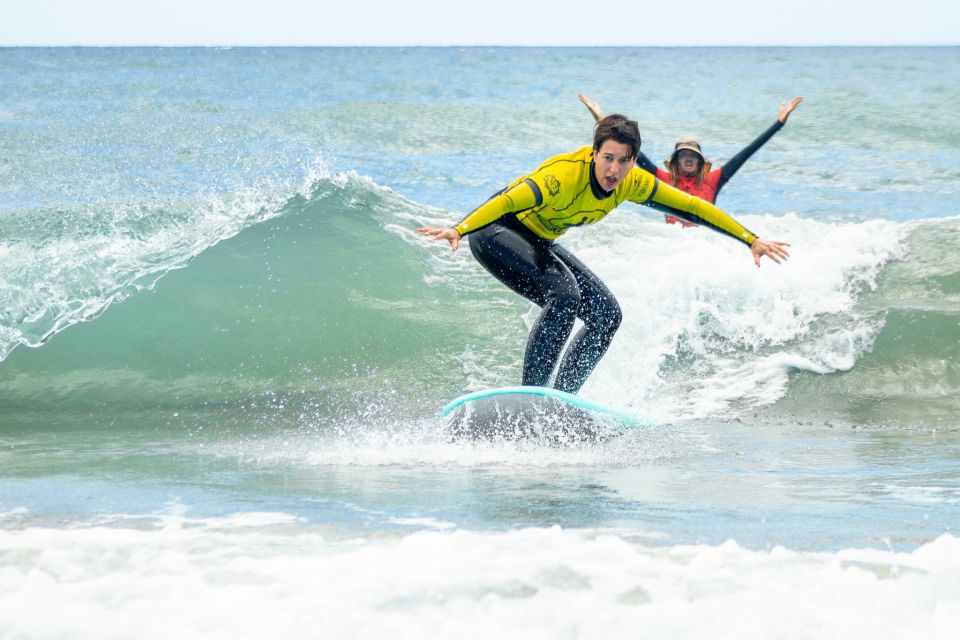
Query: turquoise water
(223, 350)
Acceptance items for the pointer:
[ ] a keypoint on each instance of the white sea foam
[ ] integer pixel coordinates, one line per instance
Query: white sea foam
(922, 494)
(255, 576)
(704, 328)
(428, 445)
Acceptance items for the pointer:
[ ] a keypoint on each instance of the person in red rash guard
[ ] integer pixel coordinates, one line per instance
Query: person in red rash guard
(689, 170)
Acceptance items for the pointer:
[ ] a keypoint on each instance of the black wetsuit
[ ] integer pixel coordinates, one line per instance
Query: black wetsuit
(553, 278)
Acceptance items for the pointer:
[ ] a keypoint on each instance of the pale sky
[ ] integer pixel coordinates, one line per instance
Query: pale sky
(481, 22)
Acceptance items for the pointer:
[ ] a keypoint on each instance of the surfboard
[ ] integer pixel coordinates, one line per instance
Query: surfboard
(525, 411)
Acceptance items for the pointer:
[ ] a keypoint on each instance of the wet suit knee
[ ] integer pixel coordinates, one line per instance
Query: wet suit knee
(607, 322)
(601, 320)
(552, 327)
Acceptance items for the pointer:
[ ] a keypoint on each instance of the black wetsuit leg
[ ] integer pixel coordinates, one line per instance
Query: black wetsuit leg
(601, 316)
(554, 279)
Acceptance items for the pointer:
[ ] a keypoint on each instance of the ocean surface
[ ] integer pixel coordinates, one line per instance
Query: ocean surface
(223, 349)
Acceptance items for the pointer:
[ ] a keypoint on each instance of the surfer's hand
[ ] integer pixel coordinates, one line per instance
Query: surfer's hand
(787, 108)
(770, 248)
(450, 235)
(592, 106)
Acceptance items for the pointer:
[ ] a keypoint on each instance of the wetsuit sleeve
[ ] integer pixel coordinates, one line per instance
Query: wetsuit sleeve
(645, 163)
(520, 197)
(683, 205)
(733, 164)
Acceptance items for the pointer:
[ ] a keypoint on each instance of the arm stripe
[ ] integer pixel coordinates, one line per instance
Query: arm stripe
(537, 194)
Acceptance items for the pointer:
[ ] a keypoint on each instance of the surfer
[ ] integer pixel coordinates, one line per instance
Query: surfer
(513, 235)
(688, 169)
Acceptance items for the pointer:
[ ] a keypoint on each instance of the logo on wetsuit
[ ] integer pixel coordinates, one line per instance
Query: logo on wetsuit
(560, 225)
(552, 184)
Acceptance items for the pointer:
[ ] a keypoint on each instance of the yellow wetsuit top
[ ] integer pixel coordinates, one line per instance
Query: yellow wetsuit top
(563, 193)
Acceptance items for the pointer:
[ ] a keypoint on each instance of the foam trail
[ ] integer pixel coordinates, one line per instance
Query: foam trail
(699, 316)
(266, 574)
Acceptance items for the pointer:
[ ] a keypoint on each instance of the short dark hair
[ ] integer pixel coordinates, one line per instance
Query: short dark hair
(620, 128)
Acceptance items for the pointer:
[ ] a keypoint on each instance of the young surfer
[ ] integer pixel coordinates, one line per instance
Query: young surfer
(513, 235)
(688, 169)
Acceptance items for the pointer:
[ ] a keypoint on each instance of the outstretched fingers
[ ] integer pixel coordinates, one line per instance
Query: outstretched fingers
(774, 250)
(787, 108)
(438, 233)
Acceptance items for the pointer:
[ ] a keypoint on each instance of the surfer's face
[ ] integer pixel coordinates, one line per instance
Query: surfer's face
(611, 163)
(688, 163)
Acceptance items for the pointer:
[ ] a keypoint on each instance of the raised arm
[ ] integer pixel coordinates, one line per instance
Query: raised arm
(733, 165)
(592, 107)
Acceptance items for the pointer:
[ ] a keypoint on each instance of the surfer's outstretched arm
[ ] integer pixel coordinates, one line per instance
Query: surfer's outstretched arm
(510, 200)
(676, 202)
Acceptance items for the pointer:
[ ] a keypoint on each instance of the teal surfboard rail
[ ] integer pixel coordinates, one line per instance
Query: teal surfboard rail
(546, 392)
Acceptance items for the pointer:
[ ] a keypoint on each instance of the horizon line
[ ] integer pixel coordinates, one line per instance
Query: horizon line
(473, 45)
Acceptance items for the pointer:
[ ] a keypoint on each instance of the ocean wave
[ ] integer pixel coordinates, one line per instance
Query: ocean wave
(310, 300)
(330, 287)
(65, 266)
